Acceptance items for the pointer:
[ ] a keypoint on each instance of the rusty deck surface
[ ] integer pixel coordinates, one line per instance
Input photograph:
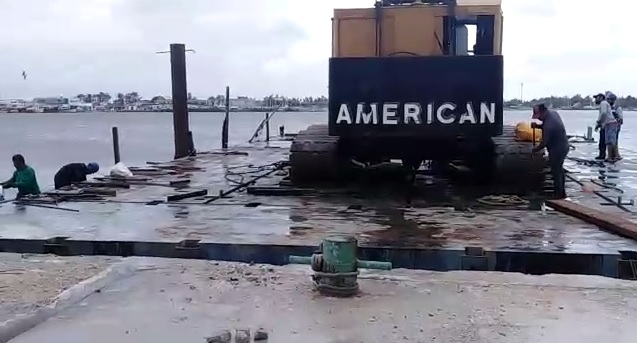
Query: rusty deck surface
(376, 218)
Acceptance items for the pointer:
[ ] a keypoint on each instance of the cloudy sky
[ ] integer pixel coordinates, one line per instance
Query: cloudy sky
(260, 47)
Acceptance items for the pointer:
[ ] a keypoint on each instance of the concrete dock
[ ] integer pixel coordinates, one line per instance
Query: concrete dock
(184, 300)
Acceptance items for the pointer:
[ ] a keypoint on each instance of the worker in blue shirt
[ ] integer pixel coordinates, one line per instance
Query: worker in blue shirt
(555, 140)
(74, 173)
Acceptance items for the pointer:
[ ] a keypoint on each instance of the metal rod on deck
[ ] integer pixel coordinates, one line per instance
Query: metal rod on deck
(47, 206)
(243, 184)
(224, 129)
(180, 99)
(116, 155)
(599, 194)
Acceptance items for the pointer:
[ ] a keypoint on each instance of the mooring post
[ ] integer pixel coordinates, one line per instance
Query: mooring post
(180, 99)
(191, 145)
(224, 129)
(336, 265)
(589, 134)
(116, 144)
(267, 126)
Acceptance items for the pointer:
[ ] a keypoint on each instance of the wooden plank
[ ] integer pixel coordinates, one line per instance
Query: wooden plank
(60, 192)
(186, 195)
(278, 191)
(609, 222)
(158, 172)
(178, 182)
(224, 153)
(100, 191)
(125, 179)
(143, 168)
(104, 184)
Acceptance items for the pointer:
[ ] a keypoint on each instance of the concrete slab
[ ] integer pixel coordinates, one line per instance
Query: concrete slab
(189, 300)
(29, 282)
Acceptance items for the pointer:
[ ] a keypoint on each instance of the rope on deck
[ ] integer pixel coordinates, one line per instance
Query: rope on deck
(236, 175)
(502, 200)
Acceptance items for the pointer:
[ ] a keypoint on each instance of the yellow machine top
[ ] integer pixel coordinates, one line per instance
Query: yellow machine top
(417, 28)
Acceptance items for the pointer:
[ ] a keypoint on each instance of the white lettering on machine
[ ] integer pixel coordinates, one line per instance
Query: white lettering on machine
(414, 113)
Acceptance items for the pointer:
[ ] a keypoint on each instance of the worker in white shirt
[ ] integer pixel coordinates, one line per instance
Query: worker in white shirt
(618, 114)
(607, 123)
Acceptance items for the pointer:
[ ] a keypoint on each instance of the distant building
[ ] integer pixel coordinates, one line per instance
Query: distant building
(52, 101)
(198, 102)
(152, 106)
(160, 100)
(12, 104)
(78, 104)
(239, 102)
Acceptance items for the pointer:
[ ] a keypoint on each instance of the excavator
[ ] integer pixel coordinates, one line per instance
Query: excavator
(405, 85)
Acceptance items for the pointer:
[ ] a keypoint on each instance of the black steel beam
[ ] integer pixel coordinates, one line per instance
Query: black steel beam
(619, 265)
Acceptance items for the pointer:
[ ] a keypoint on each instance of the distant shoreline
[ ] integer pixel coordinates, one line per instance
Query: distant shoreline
(190, 110)
(518, 109)
(264, 110)
(237, 110)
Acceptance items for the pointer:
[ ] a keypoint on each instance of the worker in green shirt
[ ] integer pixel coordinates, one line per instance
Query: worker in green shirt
(23, 178)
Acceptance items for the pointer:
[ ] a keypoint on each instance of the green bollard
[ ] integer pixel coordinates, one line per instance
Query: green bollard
(336, 265)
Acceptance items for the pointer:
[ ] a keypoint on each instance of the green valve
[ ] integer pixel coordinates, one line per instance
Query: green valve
(336, 265)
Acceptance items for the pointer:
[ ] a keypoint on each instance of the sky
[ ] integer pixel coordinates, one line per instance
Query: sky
(262, 47)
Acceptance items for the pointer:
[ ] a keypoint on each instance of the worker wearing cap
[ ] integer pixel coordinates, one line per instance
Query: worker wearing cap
(74, 173)
(607, 123)
(555, 140)
(618, 114)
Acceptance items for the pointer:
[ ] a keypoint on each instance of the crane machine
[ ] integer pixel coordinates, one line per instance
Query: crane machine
(405, 84)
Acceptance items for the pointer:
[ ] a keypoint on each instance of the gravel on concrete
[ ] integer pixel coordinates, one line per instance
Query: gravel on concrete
(191, 300)
(29, 282)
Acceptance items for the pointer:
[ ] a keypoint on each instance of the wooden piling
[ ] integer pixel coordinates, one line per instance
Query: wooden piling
(191, 145)
(116, 155)
(267, 126)
(224, 129)
(180, 99)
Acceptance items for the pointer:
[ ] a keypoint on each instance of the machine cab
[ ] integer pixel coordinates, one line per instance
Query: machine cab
(418, 28)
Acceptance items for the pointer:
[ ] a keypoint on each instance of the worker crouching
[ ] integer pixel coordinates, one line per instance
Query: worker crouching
(74, 173)
(555, 141)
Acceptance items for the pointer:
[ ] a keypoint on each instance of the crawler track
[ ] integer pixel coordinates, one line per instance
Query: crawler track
(314, 156)
(510, 165)
(515, 165)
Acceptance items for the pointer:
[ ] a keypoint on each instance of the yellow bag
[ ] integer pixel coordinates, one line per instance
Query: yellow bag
(524, 133)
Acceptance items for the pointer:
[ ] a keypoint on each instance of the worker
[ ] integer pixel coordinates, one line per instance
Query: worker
(74, 173)
(618, 114)
(555, 141)
(607, 124)
(23, 178)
